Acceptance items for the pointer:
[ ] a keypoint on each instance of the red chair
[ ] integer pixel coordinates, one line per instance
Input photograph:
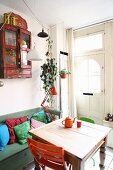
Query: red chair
(46, 155)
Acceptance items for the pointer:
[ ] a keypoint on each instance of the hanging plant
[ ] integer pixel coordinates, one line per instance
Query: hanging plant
(49, 71)
(63, 73)
(49, 46)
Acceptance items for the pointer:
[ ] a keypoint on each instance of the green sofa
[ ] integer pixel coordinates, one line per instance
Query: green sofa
(16, 156)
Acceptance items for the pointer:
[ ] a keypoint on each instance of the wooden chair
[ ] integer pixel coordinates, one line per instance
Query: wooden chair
(87, 119)
(46, 155)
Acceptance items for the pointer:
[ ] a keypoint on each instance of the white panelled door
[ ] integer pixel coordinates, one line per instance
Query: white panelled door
(90, 86)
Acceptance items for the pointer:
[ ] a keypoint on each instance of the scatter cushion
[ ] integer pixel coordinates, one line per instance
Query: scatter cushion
(36, 123)
(11, 123)
(22, 132)
(40, 116)
(4, 136)
(50, 117)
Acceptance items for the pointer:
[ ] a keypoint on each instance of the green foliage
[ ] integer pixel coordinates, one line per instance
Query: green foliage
(49, 46)
(49, 73)
(49, 70)
(64, 71)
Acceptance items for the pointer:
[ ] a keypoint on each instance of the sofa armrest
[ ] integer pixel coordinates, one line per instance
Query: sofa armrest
(55, 112)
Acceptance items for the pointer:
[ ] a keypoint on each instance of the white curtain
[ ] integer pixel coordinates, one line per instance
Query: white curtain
(71, 64)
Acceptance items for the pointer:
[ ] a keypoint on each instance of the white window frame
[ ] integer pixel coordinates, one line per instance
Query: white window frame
(92, 51)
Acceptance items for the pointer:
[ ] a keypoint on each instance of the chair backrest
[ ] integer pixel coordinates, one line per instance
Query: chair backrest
(86, 119)
(47, 155)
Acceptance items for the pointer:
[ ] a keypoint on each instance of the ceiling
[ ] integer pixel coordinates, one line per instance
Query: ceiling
(73, 13)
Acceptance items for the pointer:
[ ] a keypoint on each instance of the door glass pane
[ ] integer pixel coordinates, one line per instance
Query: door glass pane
(88, 43)
(10, 38)
(89, 77)
(94, 67)
(94, 84)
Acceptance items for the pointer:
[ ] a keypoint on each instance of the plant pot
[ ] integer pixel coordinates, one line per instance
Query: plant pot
(63, 75)
(53, 91)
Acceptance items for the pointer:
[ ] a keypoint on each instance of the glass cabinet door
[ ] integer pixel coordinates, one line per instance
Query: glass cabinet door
(10, 37)
(26, 39)
(10, 58)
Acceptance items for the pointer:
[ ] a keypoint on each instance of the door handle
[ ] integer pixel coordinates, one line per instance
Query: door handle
(90, 94)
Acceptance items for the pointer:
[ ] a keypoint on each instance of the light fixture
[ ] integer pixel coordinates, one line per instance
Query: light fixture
(34, 55)
(42, 34)
(1, 84)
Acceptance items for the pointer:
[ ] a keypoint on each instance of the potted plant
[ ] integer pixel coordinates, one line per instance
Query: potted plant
(63, 73)
(49, 72)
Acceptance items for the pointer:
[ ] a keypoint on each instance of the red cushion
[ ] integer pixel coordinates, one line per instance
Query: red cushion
(11, 123)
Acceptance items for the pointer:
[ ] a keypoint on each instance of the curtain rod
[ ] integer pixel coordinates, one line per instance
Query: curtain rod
(101, 22)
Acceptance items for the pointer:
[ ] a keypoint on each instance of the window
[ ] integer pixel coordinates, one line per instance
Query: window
(89, 76)
(88, 43)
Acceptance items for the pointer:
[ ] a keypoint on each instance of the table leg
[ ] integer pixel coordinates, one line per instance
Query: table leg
(77, 165)
(102, 157)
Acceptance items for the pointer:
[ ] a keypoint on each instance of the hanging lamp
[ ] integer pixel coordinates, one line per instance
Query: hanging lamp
(42, 34)
(1, 83)
(34, 55)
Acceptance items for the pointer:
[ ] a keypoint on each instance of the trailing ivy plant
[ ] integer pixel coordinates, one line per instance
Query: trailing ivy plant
(49, 70)
(49, 73)
(49, 47)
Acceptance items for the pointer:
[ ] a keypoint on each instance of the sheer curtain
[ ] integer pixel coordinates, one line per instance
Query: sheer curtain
(70, 50)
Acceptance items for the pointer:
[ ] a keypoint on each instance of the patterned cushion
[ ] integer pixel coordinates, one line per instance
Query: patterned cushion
(4, 136)
(11, 123)
(36, 123)
(22, 132)
(40, 116)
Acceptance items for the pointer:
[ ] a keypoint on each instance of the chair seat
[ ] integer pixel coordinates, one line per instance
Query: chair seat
(86, 119)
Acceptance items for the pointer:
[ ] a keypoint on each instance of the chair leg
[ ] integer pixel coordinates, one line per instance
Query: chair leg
(68, 165)
(37, 168)
(93, 161)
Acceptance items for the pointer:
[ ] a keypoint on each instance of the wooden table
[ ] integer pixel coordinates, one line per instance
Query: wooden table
(79, 143)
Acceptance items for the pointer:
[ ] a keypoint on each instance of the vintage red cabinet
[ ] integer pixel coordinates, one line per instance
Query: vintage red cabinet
(15, 43)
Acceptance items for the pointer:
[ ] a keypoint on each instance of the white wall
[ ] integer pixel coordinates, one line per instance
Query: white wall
(21, 94)
(57, 33)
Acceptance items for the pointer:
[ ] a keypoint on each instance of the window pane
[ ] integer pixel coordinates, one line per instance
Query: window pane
(88, 43)
(89, 77)
(94, 68)
(94, 84)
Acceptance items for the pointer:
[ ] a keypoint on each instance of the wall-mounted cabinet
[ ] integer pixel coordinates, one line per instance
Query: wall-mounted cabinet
(15, 43)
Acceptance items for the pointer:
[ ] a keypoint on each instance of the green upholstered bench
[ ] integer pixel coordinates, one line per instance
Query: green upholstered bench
(17, 156)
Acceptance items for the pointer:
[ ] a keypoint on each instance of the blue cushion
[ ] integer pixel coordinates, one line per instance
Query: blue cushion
(4, 136)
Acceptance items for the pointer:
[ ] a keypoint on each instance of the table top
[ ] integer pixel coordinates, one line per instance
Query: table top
(76, 141)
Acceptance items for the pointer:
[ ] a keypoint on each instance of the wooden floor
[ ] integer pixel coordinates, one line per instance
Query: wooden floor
(89, 164)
